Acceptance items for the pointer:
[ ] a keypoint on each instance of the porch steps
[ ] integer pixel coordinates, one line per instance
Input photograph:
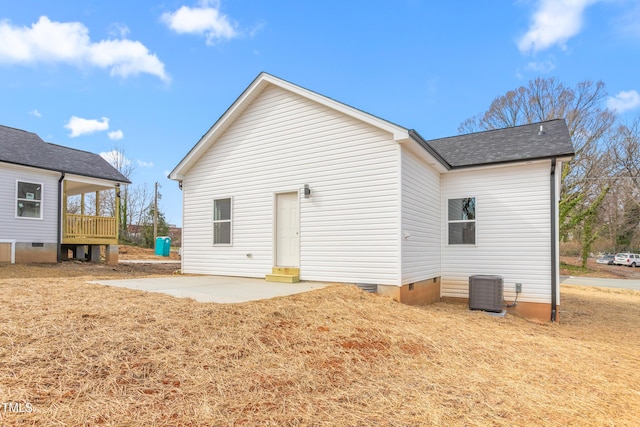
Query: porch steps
(283, 275)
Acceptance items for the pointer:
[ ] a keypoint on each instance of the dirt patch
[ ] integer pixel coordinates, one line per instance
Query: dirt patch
(88, 270)
(81, 354)
(127, 252)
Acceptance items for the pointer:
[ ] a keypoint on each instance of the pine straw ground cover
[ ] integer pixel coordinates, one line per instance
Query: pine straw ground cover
(82, 354)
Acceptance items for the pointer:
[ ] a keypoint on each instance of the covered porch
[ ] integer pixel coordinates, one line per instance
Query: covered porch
(90, 219)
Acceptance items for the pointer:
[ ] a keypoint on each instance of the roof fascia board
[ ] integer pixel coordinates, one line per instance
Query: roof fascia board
(417, 149)
(256, 86)
(20, 165)
(415, 136)
(91, 180)
(559, 158)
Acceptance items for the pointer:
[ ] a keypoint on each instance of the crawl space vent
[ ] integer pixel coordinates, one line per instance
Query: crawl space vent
(368, 287)
(485, 293)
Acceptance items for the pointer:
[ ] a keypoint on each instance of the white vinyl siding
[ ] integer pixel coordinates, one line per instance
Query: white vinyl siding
(349, 227)
(512, 230)
(420, 219)
(26, 230)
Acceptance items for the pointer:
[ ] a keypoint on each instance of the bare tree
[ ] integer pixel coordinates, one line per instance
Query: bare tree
(118, 159)
(140, 198)
(624, 147)
(134, 198)
(624, 150)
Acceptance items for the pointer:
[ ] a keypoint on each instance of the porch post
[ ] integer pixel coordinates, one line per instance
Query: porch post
(97, 203)
(64, 209)
(118, 212)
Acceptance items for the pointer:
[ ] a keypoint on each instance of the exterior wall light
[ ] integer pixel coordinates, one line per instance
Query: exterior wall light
(307, 191)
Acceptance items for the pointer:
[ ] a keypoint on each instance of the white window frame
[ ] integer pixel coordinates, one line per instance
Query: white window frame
(18, 200)
(473, 221)
(220, 221)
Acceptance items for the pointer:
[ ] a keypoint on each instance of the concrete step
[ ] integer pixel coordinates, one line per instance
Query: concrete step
(283, 278)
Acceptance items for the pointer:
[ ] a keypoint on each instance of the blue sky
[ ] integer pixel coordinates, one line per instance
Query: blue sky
(151, 77)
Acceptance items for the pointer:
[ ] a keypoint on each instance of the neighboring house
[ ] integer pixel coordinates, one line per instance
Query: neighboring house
(36, 180)
(288, 181)
(175, 233)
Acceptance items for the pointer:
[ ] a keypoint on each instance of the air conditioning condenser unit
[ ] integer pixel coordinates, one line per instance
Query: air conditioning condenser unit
(485, 293)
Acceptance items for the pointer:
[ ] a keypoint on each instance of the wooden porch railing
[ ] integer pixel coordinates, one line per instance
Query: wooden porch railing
(89, 229)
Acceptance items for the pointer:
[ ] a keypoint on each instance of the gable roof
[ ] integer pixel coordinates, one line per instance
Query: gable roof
(252, 92)
(514, 144)
(533, 141)
(24, 148)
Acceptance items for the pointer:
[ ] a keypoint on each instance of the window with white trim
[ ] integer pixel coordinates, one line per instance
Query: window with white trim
(28, 200)
(222, 221)
(462, 221)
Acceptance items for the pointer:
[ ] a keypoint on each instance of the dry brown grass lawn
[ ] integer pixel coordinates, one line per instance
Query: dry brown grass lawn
(83, 354)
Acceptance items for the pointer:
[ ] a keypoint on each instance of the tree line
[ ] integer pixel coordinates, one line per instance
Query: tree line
(600, 193)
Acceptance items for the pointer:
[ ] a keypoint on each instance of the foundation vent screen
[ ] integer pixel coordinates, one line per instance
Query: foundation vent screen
(368, 287)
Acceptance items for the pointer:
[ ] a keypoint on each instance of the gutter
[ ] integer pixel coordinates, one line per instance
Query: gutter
(429, 149)
(59, 246)
(554, 255)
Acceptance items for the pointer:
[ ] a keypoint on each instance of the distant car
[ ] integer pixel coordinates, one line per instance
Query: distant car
(628, 259)
(606, 259)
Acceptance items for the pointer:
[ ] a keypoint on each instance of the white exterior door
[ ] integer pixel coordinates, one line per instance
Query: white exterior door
(287, 230)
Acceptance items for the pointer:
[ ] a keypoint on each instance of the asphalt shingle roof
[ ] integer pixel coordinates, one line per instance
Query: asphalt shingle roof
(28, 149)
(518, 143)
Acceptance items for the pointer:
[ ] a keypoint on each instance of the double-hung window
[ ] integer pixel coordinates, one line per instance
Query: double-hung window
(462, 221)
(28, 200)
(222, 221)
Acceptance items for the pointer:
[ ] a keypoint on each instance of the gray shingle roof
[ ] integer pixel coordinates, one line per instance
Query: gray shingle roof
(28, 149)
(518, 143)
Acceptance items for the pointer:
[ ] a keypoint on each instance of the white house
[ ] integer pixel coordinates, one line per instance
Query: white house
(36, 181)
(291, 184)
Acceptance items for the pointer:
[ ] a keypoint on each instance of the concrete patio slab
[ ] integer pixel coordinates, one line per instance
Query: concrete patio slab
(219, 289)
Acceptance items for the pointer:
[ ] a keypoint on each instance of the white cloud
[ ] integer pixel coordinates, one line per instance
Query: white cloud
(544, 67)
(116, 159)
(79, 126)
(69, 42)
(205, 20)
(125, 58)
(555, 22)
(119, 30)
(35, 113)
(116, 135)
(144, 164)
(624, 101)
